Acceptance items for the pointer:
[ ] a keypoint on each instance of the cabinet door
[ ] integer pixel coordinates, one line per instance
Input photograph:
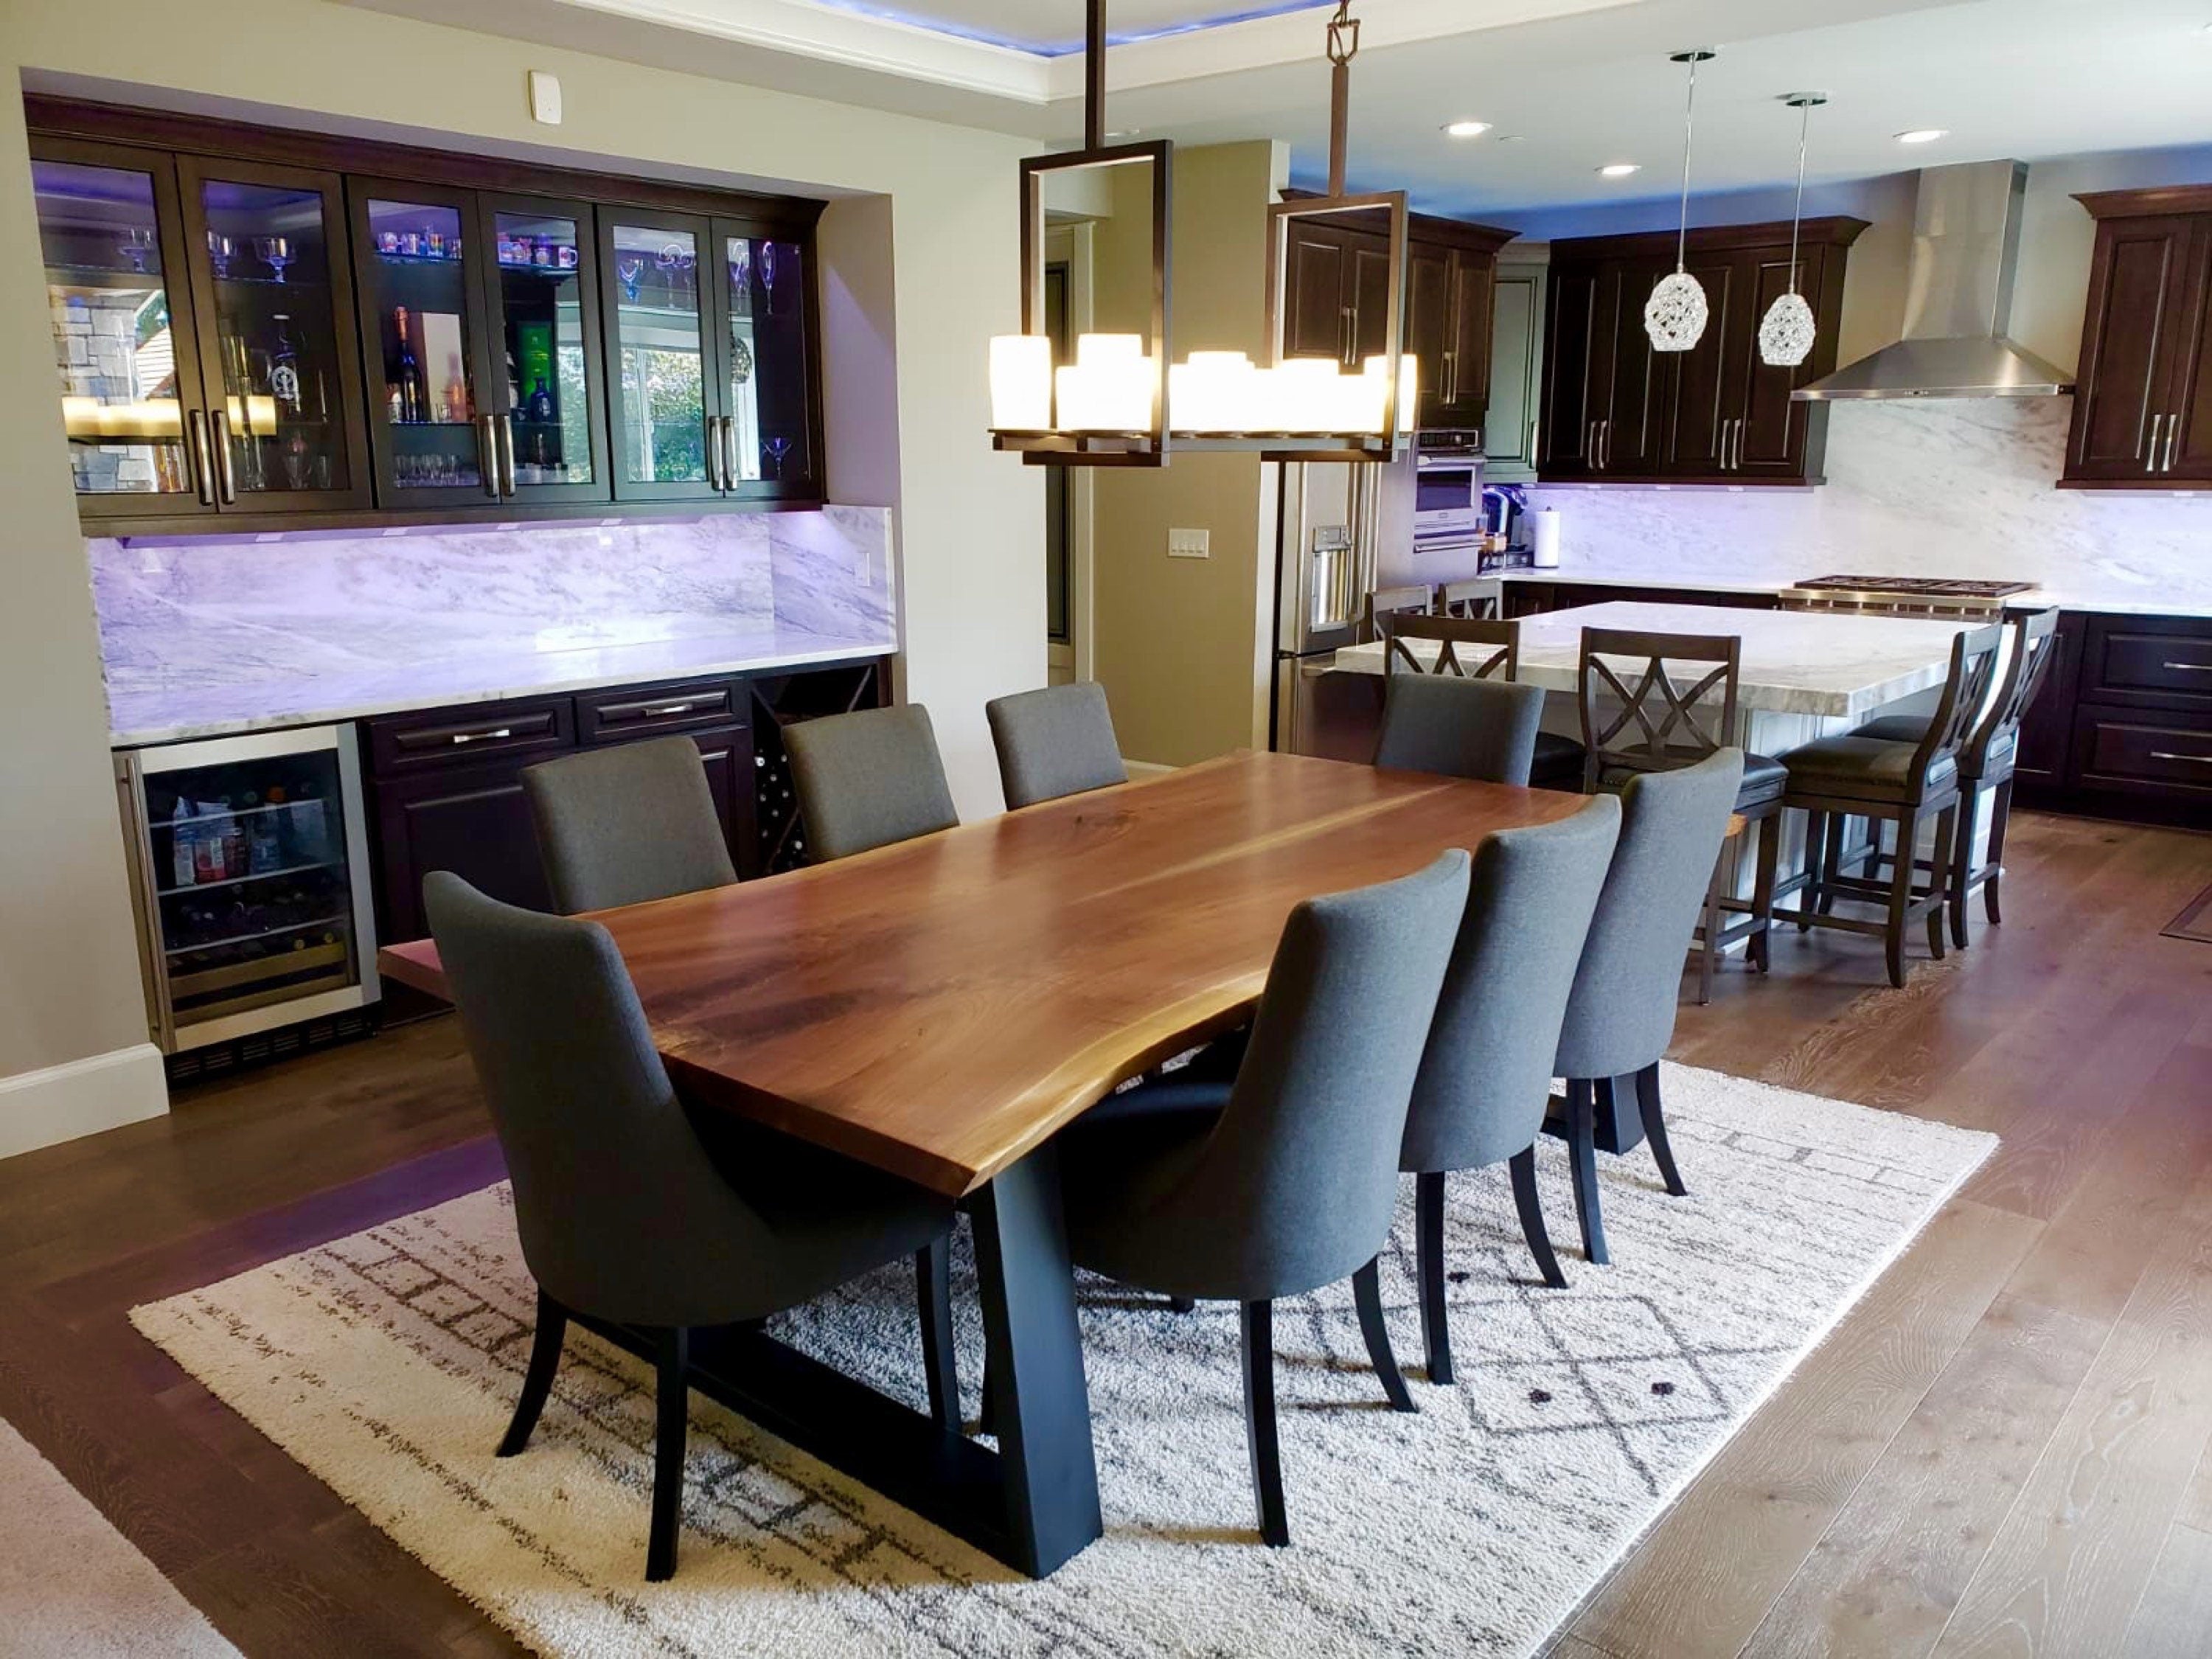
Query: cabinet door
(473, 821)
(769, 429)
(1317, 302)
(2046, 729)
(110, 236)
(1429, 330)
(2189, 454)
(1578, 356)
(545, 375)
(2130, 341)
(1630, 442)
(1706, 385)
(273, 297)
(1769, 442)
(1515, 349)
(1371, 297)
(663, 362)
(727, 754)
(418, 262)
(1466, 364)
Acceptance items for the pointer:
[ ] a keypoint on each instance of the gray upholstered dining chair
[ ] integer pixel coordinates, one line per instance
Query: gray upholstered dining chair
(1464, 728)
(1620, 1014)
(868, 779)
(1485, 1077)
(1284, 1179)
(623, 825)
(1054, 742)
(629, 1212)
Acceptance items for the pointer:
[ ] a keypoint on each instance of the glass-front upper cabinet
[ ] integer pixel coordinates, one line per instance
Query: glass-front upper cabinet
(768, 419)
(273, 296)
(416, 251)
(666, 404)
(110, 235)
(542, 324)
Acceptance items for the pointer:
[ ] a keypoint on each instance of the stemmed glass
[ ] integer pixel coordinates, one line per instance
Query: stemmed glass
(777, 449)
(768, 274)
(220, 248)
(135, 246)
(629, 271)
(275, 251)
(741, 269)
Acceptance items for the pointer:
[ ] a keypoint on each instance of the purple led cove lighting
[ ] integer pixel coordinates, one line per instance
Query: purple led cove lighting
(1069, 48)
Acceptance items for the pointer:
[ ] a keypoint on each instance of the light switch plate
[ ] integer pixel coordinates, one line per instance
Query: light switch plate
(545, 98)
(1190, 544)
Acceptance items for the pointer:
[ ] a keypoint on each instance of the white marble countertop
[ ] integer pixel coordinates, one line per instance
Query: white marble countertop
(1795, 662)
(178, 713)
(2111, 602)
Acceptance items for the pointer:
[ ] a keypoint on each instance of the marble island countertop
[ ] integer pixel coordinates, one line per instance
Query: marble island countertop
(181, 708)
(1794, 662)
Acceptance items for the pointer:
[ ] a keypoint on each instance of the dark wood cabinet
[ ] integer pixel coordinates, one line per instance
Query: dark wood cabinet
(1616, 411)
(2046, 730)
(228, 309)
(2142, 400)
(1336, 305)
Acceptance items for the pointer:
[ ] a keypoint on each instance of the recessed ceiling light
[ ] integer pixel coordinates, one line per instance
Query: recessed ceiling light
(1467, 129)
(1619, 169)
(1924, 135)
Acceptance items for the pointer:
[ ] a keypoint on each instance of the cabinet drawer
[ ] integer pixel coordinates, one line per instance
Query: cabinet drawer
(406, 743)
(2118, 749)
(632, 712)
(2165, 662)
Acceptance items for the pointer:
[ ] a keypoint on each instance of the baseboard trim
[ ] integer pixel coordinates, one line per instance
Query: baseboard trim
(81, 1097)
(1138, 768)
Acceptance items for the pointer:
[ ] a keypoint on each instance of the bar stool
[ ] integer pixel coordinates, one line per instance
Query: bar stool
(1676, 728)
(1987, 761)
(1890, 780)
(1495, 653)
(1386, 602)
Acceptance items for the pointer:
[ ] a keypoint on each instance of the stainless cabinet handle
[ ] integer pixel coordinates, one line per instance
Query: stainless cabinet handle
(2194, 760)
(484, 737)
(2172, 436)
(504, 434)
(196, 447)
(1589, 446)
(225, 469)
(487, 456)
(1348, 320)
(729, 452)
(667, 710)
(2157, 422)
(1605, 437)
(2189, 667)
(714, 459)
(1451, 377)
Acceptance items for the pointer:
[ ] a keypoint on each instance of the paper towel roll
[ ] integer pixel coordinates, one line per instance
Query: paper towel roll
(1544, 541)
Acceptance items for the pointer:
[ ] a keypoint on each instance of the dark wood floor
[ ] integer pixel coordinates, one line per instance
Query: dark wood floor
(2006, 1449)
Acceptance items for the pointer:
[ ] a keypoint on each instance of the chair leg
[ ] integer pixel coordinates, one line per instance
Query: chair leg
(1816, 843)
(1832, 858)
(1709, 949)
(1429, 1268)
(1522, 1166)
(538, 1380)
(1655, 1129)
(933, 1295)
(1260, 1434)
(673, 1397)
(1938, 880)
(1900, 896)
(1367, 1295)
(1762, 889)
(2000, 812)
(1582, 1153)
(1962, 863)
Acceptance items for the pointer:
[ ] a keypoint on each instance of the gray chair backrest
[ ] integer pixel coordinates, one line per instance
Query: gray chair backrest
(1058, 741)
(1479, 729)
(623, 825)
(867, 780)
(1301, 1170)
(621, 1212)
(1486, 1073)
(1620, 1016)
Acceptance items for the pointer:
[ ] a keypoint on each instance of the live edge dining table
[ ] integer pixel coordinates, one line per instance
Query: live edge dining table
(941, 1008)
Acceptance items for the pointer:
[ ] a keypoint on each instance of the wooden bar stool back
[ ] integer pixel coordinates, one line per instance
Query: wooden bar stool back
(1494, 653)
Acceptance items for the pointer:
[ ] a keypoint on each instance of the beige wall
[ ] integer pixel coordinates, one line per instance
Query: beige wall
(917, 277)
(1182, 645)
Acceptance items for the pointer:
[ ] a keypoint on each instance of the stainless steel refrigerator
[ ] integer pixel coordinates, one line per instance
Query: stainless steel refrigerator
(1341, 525)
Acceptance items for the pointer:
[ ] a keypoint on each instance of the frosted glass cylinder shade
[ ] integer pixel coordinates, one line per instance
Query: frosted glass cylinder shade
(1109, 387)
(1021, 383)
(1786, 333)
(1674, 315)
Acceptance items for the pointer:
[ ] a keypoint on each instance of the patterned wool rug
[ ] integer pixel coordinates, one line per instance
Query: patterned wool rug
(387, 1364)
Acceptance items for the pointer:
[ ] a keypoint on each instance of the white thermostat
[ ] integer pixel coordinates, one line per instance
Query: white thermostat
(545, 98)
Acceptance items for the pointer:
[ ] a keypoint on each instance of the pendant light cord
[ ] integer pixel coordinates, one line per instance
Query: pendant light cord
(1689, 111)
(1797, 213)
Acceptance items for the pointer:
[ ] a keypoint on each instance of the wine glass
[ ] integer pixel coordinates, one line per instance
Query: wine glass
(629, 271)
(135, 246)
(275, 252)
(220, 249)
(741, 269)
(768, 274)
(777, 449)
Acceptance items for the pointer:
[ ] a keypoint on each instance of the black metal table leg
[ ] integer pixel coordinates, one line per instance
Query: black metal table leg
(1042, 1403)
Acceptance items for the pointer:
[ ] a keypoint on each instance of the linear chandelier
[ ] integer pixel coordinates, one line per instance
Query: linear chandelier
(1120, 402)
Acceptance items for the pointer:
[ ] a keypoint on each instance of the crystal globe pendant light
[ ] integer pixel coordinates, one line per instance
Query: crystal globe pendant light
(1786, 333)
(1674, 316)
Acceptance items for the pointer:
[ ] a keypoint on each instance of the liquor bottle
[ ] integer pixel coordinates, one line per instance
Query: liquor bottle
(284, 367)
(541, 403)
(413, 404)
(182, 872)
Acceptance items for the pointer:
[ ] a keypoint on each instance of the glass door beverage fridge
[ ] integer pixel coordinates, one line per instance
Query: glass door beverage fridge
(250, 878)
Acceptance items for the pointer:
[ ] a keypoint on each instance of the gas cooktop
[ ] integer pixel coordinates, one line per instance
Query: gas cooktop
(1933, 587)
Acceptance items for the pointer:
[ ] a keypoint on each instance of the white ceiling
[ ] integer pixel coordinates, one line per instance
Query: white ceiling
(1575, 83)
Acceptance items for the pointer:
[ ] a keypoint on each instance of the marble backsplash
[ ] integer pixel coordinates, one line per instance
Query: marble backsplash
(1957, 486)
(287, 612)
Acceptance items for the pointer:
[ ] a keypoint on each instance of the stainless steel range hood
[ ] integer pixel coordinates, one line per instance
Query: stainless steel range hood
(1958, 302)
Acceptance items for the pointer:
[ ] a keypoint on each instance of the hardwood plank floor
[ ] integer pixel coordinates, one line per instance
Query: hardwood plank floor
(2006, 1448)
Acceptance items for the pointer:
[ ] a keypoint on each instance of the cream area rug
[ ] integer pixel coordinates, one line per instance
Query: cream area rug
(71, 1587)
(387, 1363)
